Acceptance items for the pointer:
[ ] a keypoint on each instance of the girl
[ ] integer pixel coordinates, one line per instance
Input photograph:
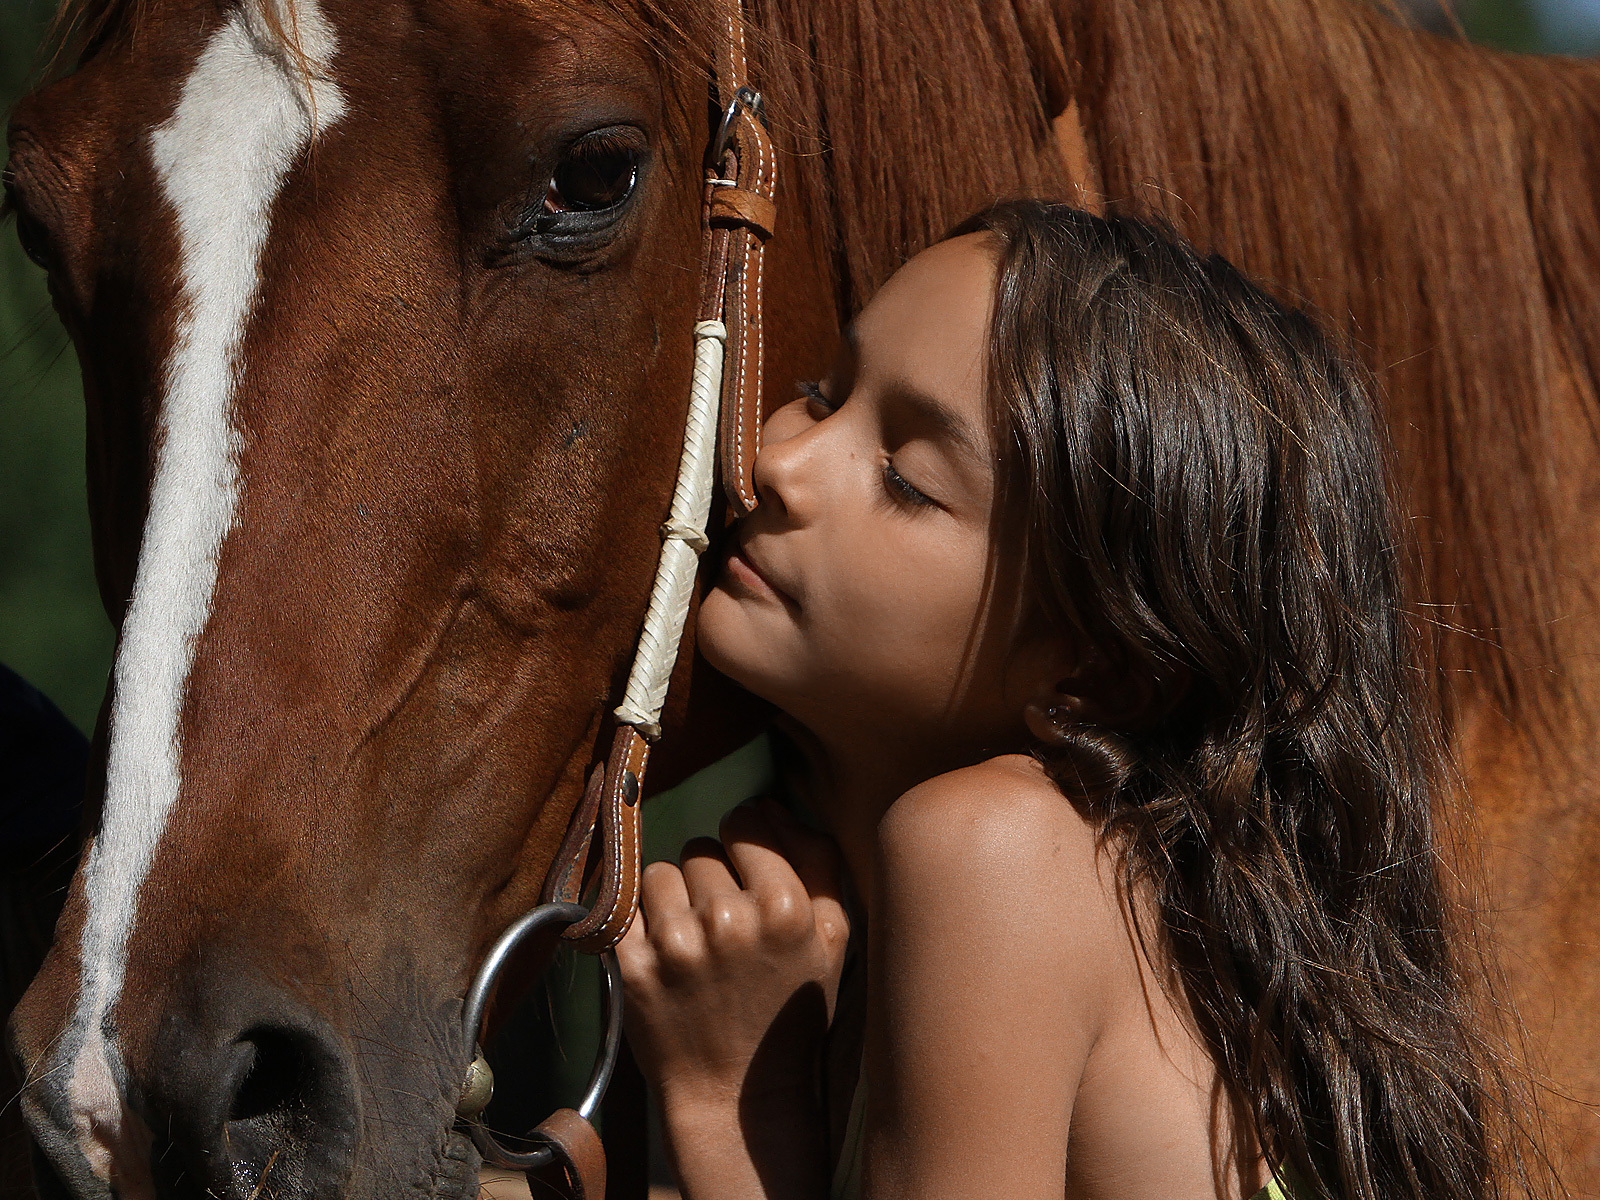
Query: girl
(1078, 585)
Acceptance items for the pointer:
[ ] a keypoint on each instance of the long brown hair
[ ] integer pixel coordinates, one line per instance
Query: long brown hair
(1202, 485)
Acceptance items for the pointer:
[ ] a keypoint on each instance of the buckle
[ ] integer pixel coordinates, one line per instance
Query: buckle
(746, 98)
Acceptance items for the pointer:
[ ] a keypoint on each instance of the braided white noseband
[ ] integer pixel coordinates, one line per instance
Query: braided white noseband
(683, 540)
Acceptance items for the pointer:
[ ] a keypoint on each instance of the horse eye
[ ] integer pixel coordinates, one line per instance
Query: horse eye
(35, 240)
(592, 178)
(31, 232)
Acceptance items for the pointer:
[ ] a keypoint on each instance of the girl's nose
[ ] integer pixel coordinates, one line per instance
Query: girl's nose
(786, 467)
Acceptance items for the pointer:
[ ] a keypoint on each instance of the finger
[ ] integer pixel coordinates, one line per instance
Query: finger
(707, 873)
(814, 856)
(820, 867)
(786, 912)
(675, 943)
(662, 893)
(663, 905)
(634, 953)
(757, 853)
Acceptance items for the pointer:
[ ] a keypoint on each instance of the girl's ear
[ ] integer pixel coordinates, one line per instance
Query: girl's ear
(1103, 690)
(1069, 680)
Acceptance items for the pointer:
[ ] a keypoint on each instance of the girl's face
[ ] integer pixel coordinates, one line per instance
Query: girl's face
(859, 597)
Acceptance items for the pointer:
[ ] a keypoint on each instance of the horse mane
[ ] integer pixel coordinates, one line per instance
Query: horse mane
(1433, 200)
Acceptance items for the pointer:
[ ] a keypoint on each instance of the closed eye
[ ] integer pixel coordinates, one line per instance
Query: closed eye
(811, 392)
(902, 490)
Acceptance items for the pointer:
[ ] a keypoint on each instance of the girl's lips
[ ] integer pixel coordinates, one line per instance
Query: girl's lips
(749, 576)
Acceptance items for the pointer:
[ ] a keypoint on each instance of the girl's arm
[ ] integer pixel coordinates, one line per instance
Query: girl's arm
(731, 974)
(993, 945)
(996, 941)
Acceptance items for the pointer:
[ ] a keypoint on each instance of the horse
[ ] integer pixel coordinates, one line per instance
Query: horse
(384, 315)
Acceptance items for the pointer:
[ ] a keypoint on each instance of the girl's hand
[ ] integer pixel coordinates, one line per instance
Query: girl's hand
(733, 965)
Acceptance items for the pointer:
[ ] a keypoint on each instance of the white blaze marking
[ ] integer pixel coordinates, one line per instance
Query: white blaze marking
(242, 120)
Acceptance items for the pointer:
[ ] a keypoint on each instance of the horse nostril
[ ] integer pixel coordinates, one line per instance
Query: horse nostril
(292, 1095)
(248, 1094)
(278, 1080)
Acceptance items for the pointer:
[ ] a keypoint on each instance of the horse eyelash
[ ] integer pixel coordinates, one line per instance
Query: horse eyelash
(605, 141)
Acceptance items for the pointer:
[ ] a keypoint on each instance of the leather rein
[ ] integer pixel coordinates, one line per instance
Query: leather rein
(603, 840)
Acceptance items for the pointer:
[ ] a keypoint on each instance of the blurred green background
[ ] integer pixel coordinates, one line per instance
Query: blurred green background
(52, 628)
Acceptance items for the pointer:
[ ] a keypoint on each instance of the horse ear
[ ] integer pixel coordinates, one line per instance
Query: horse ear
(1056, 72)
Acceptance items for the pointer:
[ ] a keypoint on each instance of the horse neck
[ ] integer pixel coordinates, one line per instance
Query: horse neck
(897, 130)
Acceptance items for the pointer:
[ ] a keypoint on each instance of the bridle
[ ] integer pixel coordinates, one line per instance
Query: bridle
(603, 840)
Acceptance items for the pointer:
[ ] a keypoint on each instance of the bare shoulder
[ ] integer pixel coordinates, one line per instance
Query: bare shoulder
(1000, 833)
(1007, 805)
(997, 936)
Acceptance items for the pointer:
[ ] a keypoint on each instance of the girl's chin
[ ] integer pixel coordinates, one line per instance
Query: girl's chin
(727, 640)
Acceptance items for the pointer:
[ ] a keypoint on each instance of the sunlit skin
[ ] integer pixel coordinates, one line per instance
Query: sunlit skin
(1018, 1040)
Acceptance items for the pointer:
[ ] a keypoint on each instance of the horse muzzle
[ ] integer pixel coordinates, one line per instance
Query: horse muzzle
(247, 1096)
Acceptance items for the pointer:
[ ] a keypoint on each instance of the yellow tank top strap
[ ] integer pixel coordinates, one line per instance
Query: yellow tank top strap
(1284, 1185)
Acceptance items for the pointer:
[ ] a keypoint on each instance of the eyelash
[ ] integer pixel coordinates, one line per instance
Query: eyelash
(900, 489)
(810, 390)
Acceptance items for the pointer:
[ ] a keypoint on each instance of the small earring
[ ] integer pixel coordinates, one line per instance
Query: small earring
(1049, 723)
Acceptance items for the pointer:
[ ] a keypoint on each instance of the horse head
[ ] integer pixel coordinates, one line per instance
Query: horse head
(384, 315)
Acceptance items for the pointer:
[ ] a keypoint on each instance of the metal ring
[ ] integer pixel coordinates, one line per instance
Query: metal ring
(542, 917)
(745, 97)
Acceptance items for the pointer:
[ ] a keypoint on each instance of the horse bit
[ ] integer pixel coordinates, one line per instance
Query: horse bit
(737, 214)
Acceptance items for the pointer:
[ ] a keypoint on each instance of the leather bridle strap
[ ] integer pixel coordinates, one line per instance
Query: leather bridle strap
(738, 211)
(603, 841)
